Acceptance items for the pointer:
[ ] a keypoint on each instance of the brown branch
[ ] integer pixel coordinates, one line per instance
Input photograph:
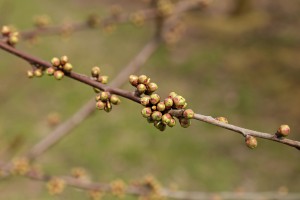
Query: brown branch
(243, 131)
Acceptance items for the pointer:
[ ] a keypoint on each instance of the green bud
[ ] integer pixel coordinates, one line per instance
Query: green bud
(50, 71)
(159, 125)
(55, 62)
(103, 79)
(283, 131)
(95, 71)
(59, 74)
(68, 67)
(64, 60)
(161, 106)
(172, 95)
(188, 113)
(184, 122)
(114, 99)
(38, 73)
(104, 96)
(179, 102)
(251, 141)
(134, 80)
(100, 105)
(108, 107)
(143, 79)
(30, 74)
(141, 88)
(166, 118)
(152, 87)
(156, 115)
(168, 103)
(154, 99)
(172, 122)
(145, 100)
(146, 112)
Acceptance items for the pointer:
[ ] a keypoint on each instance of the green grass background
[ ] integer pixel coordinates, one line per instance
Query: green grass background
(244, 68)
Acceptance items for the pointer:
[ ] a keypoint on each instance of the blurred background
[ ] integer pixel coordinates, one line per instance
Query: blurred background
(237, 58)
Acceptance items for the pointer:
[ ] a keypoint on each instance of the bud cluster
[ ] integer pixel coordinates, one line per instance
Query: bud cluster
(104, 99)
(11, 37)
(60, 67)
(156, 109)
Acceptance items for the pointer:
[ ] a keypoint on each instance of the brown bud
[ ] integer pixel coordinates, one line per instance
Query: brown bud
(145, 100)
(38, 73)
(114, 99)
(161, 106)
(59, 74)
(55, 62)
(251, 141)
(134, 80)
(95, 71)
(64, 60)
(283, 131)
(188, 113)
(146, 112)
(156, 116)
(154, 99)
(68, 67)
(50, 71)
(100, 105)
(103, 79)
(141, 88)
(184, 122)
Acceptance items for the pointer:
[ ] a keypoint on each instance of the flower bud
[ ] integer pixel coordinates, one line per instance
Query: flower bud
(146, 112)
(143, 79)
(283, 131)
(38, 73)
(172, 122)
(95, 71)
(154, 99)
(153, 107)
(179, 102)
(114, 99)
(59, 74)
(68, 67)
(56, 186)
(108, 107)
(55, 62)
(161, 106)
(152, 87)
(141, 88)
(172, 95)
(104, 96)
(168, 103)
(185, 105)
(30, 74)
(103, 79)
(5, 31)
(134, 80)
(50, 71)
(184, 122)
(97, 98)
(145, 100)
(12, 40)
(222, 119)
(159, 125)
(188, 113)
(64, 60)
(166, 118)
(251, 141)
(156, 116)
(100, 105)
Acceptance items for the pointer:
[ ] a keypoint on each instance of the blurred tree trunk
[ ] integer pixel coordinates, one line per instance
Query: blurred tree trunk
(241, 7)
